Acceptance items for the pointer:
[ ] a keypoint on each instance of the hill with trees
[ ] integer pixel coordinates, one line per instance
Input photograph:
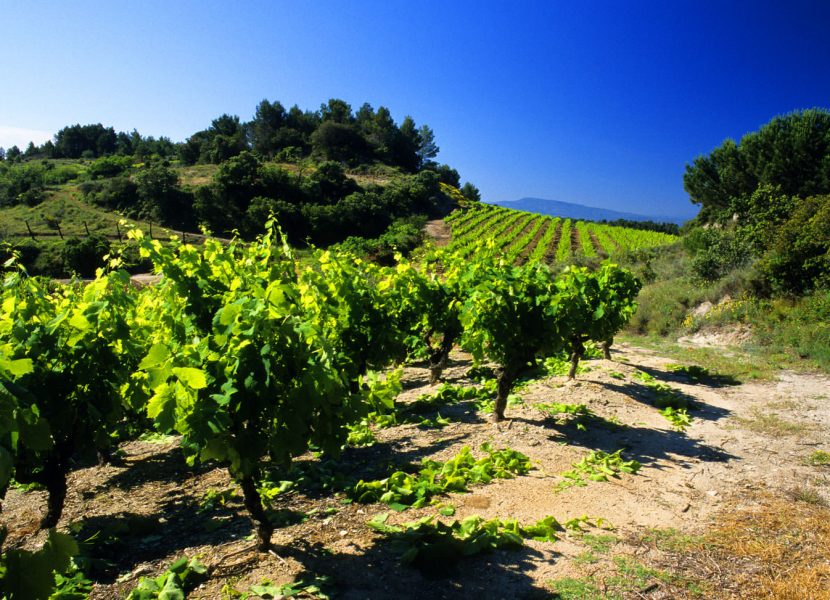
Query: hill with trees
(327, 175)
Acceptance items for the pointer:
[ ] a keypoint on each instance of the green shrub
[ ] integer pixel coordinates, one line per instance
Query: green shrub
(84, 256)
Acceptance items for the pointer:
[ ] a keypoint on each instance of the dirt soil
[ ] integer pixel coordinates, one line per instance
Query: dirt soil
(746, 440)
(439, 232)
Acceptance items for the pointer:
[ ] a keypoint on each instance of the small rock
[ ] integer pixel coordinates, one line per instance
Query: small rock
(712, 493)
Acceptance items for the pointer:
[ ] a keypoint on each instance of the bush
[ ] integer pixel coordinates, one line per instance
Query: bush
(109, 166)
(798, 260)
(84, 256)
(716, 252)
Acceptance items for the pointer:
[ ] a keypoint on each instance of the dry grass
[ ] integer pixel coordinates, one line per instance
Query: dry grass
(779, 549)
(769, 423)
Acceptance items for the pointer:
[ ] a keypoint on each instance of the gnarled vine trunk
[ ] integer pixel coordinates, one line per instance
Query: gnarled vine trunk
(505, 378)
(53, 477)
(606, 348)
(253, 503)
(438, 359)
(578, 351)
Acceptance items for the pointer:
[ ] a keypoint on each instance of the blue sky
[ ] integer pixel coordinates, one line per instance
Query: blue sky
(600, 103)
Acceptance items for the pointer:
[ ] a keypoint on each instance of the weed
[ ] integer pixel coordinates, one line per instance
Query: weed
(616, 375)
(214, 499)
(664, 396)
(819, 458)
(305, 587)
(808, 495)
(436, 546)
(179, 578)
(566, 413)
(679, 418)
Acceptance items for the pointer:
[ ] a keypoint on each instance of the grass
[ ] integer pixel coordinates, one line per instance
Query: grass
(807, 495)
(819, 458)
(64, 207)
(672, 540)
(734, 364)
(779, 548)
(769, 423)
(625, 578)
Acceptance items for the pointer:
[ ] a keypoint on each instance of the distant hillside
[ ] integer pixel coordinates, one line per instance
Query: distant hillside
(570, 210)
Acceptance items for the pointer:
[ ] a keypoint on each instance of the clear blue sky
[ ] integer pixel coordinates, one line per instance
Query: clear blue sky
(600, 103)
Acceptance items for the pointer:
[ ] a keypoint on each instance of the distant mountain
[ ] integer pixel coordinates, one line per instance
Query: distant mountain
(570, 210)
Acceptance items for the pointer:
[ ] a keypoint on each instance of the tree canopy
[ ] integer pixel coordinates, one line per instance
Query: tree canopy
(791, 152)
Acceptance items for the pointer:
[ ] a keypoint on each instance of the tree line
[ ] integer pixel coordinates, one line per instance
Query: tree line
(765, 203)
(334, 132)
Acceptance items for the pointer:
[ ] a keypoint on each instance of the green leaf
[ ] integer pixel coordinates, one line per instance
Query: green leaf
(192, 378)
(17, 368)
(158, 354)
(162, 407)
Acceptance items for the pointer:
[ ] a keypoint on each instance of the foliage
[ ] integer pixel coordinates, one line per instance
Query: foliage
(81, 350)
(109, 166)
(798, 258)
(402, 236)
(428, 543)
(427, 308)
(401, 489)
(180, 577)
(716, 252)
(85, 256)
(790, 152)
(235, 365)
(510, 317)
(21, 184)
(36, 575)
(597, 466)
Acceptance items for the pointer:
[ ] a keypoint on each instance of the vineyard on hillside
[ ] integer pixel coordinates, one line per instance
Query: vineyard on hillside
(255, 360)
(526, 237)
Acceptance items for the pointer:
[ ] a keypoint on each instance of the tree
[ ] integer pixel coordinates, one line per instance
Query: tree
(337, 111)
(470, 192)
(160, 197)
(93, 141)
(791, 152)
(340, 142)
(265, 128)
(428, 149)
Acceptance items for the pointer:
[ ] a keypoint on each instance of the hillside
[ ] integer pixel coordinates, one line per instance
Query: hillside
(569, 210)
(527, 236)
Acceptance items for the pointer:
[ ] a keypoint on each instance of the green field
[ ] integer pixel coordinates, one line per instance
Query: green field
(524, 236)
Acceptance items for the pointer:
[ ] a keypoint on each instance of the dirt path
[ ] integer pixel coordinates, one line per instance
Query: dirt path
(439, 232)
(745, 439)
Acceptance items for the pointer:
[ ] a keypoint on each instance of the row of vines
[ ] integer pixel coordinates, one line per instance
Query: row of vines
(524, 237)
(253, 358)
